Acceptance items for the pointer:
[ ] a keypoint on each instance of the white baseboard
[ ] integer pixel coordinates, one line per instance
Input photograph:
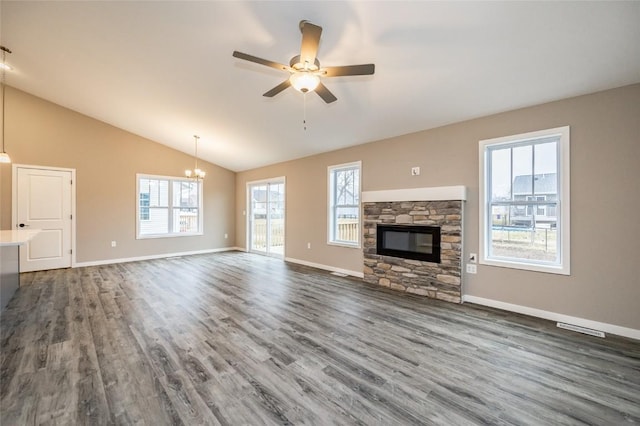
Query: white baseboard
(325, 267)
(153, 256)
(553, 316)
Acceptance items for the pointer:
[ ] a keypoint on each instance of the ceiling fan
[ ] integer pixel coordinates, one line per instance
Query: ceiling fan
(305, 68)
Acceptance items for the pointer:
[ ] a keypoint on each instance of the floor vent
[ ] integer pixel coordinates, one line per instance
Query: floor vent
(583, 330)
(338, 274)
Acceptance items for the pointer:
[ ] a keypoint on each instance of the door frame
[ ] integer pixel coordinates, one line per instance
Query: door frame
(247, 224)
(14, 199)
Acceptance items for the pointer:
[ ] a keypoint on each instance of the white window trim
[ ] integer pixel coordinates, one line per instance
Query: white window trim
(563, 206)
(172, 234)
(330, 170)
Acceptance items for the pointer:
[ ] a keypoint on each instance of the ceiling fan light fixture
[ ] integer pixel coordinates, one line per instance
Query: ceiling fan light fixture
(304, 81)
(304, 69)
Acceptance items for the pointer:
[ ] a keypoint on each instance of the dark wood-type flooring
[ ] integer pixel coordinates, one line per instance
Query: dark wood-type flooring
(241, 339)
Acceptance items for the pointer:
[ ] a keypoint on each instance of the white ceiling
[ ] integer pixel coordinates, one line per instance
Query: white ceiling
(164, 70)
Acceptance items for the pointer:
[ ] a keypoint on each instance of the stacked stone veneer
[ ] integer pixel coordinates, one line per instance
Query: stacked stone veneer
(436, 280)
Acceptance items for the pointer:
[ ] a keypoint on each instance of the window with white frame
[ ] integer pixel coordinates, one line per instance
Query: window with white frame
(344, 204)
(524, 196)
(168, 206)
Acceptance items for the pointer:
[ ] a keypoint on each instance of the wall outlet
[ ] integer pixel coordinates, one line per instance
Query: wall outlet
(473, 257)
(415, 171)
(226, 236)
(472, 269)
(113, 244)
(308, 245)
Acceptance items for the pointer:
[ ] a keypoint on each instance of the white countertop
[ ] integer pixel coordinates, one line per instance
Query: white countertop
(16, 237)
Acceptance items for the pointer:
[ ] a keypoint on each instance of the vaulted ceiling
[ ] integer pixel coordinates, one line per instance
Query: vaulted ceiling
(164, 70)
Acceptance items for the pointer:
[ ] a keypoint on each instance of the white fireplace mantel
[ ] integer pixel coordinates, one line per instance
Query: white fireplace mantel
(436, 193)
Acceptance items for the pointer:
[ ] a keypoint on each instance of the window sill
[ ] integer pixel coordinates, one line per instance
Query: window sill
(183, 234)
(341, 244)
(534, 267)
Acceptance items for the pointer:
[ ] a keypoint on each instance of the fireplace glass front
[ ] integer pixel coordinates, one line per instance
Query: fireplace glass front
(417, 242)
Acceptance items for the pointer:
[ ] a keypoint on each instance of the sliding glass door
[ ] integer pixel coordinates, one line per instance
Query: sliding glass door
(266, 217)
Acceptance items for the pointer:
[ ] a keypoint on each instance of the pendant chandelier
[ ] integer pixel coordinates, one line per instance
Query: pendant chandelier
(196, 173)
(4, 157)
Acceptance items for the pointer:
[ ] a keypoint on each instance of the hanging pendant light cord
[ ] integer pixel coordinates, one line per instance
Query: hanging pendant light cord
(4, 52)
(3, 105)
(197, 137)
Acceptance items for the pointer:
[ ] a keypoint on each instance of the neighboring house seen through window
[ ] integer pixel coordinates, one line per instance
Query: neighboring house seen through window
(524, 214)
(344, 204)
(168, 206)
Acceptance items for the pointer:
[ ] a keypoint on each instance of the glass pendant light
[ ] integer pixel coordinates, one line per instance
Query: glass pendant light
(196, 173)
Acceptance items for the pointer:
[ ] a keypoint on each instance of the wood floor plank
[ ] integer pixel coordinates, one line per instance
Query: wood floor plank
(240, 339)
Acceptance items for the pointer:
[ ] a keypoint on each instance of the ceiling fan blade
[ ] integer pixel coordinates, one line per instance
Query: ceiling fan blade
(310, 42)
(260, 61)
(279, 88)
(325, 94)
(365, 69)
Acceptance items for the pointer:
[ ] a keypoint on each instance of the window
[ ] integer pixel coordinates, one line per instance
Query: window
(524, 196)
(168, 206)
(144, 205)
(344, 204)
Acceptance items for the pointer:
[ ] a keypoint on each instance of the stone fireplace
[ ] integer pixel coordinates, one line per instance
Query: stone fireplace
(410, 219)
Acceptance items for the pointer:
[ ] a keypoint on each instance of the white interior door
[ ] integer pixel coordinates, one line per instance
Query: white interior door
(43, 201)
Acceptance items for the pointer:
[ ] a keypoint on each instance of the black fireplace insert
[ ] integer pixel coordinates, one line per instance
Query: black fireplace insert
(417, 242)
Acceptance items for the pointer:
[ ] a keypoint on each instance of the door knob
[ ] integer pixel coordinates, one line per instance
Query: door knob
(22, 225)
